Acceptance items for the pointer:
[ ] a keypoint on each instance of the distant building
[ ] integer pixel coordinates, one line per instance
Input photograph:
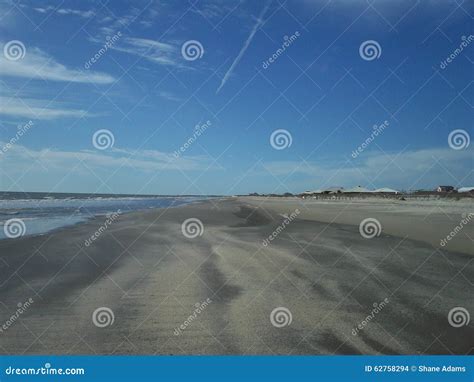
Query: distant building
(358, 189)
(333, 190)
(386, 190)
(466, 189)
(445, 189)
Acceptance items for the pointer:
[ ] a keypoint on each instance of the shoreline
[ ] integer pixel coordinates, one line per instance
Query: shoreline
(97, 216)
(151, 277)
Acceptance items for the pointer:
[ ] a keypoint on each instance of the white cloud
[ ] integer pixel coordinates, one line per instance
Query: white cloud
(65, 11)
(38, 65)
(412, 169)
(152, 50)
(68, 11)
(37, 109)
(19, 158)
(219, 10)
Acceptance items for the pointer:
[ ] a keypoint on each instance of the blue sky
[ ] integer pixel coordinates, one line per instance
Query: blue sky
(322, 90)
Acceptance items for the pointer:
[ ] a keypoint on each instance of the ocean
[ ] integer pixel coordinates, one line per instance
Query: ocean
(39, 212)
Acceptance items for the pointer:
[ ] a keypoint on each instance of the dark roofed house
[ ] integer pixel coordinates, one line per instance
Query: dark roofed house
(445, 189)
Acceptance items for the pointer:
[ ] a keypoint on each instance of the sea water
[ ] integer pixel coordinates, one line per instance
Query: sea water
(41, 212)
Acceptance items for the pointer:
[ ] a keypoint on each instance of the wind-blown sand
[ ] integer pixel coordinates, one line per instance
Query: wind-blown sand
(319, 267)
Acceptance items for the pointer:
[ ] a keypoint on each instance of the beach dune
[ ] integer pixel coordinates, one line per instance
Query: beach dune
(251, 281)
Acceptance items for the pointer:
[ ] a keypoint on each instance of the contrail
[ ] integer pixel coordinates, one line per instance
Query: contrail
(244, 47)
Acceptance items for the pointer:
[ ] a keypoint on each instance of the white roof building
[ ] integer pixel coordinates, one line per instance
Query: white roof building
(387, 190)
(358, 189)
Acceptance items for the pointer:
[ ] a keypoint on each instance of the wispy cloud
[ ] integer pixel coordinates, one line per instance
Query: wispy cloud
(245, 46)
(415, 168)
(155, 51)
(219, 9)
(65, 11)
(168, 96)
(114, 24)
(37, 109)
(38, 65)
(19, 158)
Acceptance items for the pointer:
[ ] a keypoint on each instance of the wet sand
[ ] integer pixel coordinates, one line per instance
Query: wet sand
(223, 285)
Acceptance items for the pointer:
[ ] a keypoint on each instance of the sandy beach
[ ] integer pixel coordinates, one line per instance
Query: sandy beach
(167, 293)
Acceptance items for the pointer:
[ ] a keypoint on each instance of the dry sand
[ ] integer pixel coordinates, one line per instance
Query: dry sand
(327, 275)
